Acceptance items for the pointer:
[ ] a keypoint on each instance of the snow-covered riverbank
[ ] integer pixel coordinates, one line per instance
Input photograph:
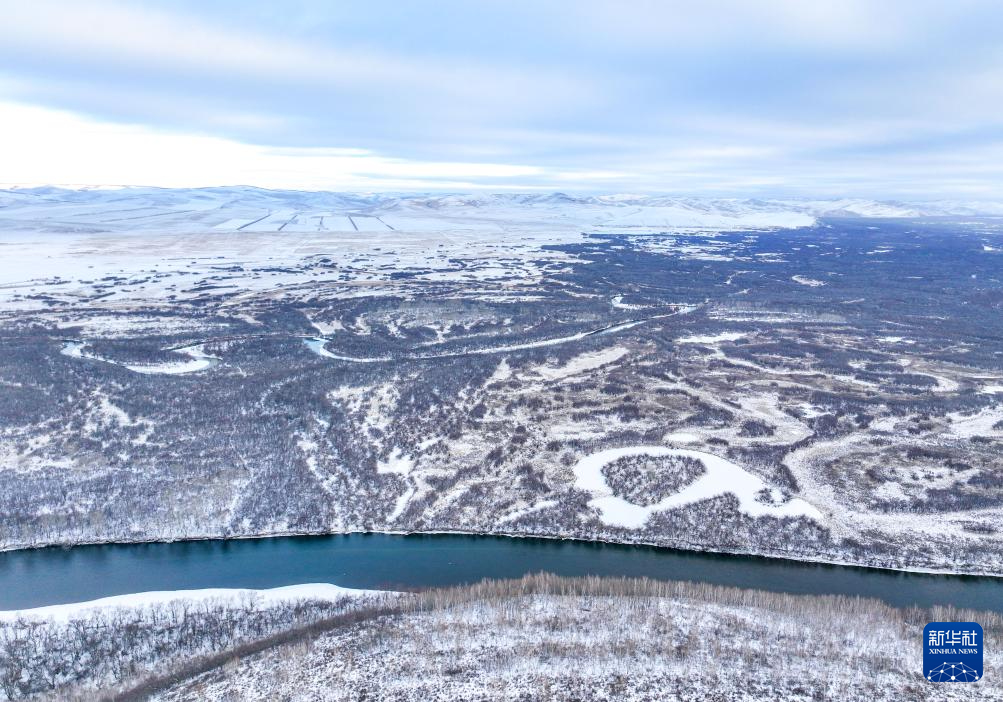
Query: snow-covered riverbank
(221, 597)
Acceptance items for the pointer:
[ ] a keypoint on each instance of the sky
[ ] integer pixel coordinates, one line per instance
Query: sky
(891, 99)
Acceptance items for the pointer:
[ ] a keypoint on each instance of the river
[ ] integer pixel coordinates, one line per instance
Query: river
(39, 577)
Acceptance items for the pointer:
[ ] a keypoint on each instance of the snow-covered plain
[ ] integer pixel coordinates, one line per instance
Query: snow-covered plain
(146, 244)
(255, 210)
(329, 363)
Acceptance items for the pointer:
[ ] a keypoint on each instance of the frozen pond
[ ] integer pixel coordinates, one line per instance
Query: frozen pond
(721, 476)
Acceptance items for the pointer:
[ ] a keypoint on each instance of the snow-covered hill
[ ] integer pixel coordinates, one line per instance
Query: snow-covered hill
(241, 208)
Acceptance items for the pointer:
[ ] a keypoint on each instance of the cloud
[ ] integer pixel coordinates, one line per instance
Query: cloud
(110, 57)
(38, 143)
(717, 97)
(820, 25)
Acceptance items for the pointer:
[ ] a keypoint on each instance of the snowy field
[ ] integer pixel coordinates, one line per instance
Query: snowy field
(145, 244)
(152, 243)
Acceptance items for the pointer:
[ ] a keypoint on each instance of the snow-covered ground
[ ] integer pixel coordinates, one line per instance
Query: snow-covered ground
(297, 352)
(73, 651)
(253, 210)
(545, 638)
(223, 597)
(805, 280)
(145, 244)
(711, 339)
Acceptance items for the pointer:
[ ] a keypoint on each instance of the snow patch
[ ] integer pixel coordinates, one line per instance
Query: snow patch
(502, 372)
(582, 363)
(516, 514)
(714, 339)
(327, 328)
(319, 346)
(681, 437)
(396, 464)
(981, 423)
(896, 340)
(619, 304)
(401, 504)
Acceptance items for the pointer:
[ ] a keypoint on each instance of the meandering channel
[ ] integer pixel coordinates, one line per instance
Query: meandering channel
(40, 577)
(199, 360)
(318, 345)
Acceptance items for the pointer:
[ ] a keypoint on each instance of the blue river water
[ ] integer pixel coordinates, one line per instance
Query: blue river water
(48, 576)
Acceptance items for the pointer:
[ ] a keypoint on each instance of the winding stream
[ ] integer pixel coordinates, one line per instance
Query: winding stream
(318, 345)
(198, 360)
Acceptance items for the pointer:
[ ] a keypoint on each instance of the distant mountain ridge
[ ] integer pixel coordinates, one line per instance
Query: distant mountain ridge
(247, 208)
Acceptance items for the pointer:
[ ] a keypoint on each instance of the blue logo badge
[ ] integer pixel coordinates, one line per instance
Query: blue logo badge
(952, 652)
